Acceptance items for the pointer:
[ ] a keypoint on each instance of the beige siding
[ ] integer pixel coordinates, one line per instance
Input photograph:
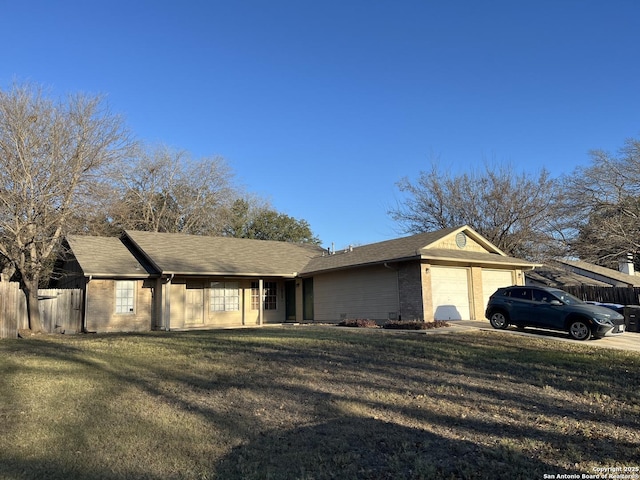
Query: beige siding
(176, 307)
(450, 244)
(101, 303)
(370, 293)
(477, 292)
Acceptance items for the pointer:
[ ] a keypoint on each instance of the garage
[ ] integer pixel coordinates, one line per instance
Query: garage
(450, 293)
(492, 280)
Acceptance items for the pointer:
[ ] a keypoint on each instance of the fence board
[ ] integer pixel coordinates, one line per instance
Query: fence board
(9, 309)
(60, 310)
(621, 295)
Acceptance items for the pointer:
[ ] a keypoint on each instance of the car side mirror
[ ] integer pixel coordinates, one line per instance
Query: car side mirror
(555, 302)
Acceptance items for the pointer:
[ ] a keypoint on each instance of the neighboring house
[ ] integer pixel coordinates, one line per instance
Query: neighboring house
(147, 281)
(569, 273)
(606, 275)
(555, 275)
(564, 273)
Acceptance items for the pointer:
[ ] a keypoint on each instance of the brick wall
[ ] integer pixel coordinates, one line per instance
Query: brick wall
(410, 291)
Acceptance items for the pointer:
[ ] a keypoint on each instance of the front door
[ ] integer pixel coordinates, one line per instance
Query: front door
(290, 300)
(194, 303)
(307, 298)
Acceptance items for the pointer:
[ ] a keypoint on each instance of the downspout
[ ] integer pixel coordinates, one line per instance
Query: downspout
(260, 295)
(386, 265)
(86, 303)
(166, 314)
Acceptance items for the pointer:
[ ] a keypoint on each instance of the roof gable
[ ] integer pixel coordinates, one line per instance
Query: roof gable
(176, 253)
(105, 257)
(472, 240)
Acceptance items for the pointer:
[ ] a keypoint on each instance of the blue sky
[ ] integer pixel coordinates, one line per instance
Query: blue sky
(322, 106)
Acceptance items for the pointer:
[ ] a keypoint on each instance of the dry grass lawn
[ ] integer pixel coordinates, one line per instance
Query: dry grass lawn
(313, 402)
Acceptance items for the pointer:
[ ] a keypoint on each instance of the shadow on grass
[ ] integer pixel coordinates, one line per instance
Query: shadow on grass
(298, 376)
(365, 448)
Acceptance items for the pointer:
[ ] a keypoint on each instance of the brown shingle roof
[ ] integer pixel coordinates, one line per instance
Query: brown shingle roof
(175, 253)
(602, 273)
(561, 276)
(105, 257)
(413, 247)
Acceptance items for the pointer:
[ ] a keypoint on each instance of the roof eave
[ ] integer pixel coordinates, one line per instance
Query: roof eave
(506, 261)
(357, 265)
(120, 275)
(230, 274)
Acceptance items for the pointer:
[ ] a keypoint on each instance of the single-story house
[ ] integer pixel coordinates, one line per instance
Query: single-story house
(553, 274)
(625, 277)
(564, 273)
(144, 280)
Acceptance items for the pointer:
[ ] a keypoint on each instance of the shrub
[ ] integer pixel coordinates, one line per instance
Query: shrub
(415, 325)
(358, 322)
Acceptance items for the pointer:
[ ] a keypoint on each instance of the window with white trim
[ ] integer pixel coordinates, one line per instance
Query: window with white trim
(270, 295)
(125, 297)
(225, 297)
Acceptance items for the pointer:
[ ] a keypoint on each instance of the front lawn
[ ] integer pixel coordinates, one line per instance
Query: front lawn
(313, 402)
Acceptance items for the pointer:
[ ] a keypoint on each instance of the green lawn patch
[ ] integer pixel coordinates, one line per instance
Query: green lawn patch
(313, 402)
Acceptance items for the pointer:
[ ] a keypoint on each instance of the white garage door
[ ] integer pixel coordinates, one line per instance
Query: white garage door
(493, 280)
(450, 292)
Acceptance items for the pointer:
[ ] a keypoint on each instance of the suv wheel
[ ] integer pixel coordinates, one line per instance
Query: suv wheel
(499, 320)
(579, 330)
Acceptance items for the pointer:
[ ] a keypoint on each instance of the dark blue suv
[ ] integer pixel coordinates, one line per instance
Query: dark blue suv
(552, 309)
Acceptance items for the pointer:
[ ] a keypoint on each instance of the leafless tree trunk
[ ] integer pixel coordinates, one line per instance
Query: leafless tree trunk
(50, 154)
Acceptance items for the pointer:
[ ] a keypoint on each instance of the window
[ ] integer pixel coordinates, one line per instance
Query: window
(125, 297)
(541, 296)
(520, 293)
(225, 297)
(270, 292)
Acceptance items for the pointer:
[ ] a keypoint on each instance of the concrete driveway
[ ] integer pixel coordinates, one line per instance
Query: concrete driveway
(627, 341)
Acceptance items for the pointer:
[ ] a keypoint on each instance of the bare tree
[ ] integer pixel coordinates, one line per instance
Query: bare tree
(51, 151)
(603, 205)
(164, 190)
(516, 212)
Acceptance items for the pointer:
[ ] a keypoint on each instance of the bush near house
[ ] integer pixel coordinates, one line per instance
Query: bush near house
(414, 325)
(359, 323)
(393, 324)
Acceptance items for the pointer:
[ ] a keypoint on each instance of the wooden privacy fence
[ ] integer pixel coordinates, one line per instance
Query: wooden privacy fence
(13, 307)
(620, 295)
(60, 310)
